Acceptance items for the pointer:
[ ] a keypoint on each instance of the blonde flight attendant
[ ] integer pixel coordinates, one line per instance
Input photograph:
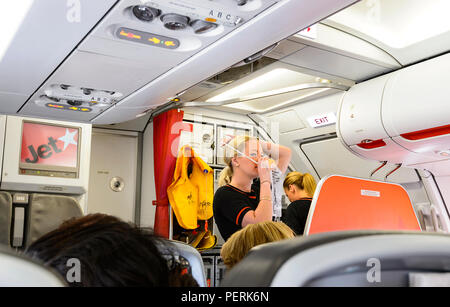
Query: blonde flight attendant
(235, 203)
(299, 188)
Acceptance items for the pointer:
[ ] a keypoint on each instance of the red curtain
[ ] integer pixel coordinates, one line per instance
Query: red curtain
(166, 132)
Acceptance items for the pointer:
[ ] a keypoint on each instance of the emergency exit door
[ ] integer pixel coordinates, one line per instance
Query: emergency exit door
(113, 174)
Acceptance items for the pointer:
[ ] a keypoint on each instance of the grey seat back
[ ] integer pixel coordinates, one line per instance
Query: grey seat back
(353, 258)
(47, 212)
(5, 218)
(191, 254)
(20, 271)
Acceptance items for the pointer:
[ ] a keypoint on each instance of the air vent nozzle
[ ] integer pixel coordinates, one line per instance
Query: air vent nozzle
(145, 13)
(175, 21)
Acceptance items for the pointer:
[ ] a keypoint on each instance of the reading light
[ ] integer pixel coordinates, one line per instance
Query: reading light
(444, 153)
(201, 26)
(241, 2)
(12, 14)
(175, 21)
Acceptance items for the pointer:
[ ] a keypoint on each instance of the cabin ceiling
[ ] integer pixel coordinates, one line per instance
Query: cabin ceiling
(87, 49)
(365, 40)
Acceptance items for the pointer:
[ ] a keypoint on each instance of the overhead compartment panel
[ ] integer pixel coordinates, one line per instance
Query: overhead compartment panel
(132, 46)
(416, 110)
(290, 16)
(94, 71)
(402, 117)
(343, 162)
(334, 64)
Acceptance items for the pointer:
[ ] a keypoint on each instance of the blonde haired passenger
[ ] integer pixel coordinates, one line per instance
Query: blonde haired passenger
(236, 203)
(240, 243)
(299, 188)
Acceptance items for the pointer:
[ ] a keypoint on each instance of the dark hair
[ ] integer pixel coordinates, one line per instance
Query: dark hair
(110, 252)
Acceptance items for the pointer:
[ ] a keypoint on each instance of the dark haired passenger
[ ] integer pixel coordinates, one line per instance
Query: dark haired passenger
(110, 253)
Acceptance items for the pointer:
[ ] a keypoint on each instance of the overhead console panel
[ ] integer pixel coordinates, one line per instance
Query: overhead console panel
(142, 54)
(49, 31)
(133, 45)
(402, 117)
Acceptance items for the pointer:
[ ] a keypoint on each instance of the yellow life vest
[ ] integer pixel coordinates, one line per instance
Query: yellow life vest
(191, 197)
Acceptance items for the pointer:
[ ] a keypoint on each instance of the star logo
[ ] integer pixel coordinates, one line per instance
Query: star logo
(68, 138)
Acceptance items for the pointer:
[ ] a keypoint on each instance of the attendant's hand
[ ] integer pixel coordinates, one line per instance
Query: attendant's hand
(264, 170)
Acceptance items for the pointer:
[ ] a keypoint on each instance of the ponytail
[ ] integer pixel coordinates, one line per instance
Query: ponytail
(225, 176)
(309, 184)
(304, 182)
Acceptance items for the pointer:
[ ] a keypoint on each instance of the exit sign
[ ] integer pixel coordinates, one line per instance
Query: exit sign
(322, 120)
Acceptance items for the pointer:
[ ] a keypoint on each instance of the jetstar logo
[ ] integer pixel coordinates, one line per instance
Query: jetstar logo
(49, 145)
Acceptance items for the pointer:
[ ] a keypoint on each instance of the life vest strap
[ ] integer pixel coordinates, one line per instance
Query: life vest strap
(161, 203)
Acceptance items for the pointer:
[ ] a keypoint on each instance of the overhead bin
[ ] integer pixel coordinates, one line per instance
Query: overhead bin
(416, 111)
(402, 117)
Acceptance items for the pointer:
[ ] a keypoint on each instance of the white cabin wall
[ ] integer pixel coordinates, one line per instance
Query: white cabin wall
(148, 192)
(114, 158)
(444, 187)
(443, 183)
(280, 131)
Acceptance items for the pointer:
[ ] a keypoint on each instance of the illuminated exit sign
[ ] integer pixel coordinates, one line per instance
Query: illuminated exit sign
(322, 120)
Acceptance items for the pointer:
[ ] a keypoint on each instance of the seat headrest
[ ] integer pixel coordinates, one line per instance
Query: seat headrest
(342, 259)
(47, 212)
(342, 203)
(188, 252)
(20, 271)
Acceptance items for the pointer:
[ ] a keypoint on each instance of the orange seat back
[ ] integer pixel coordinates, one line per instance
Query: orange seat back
(345, 203)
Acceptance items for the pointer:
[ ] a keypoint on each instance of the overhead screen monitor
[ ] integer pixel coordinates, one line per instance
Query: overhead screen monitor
(49, 150)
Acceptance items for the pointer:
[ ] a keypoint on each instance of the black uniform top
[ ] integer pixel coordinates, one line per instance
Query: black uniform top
(296, 215)
(230, 205)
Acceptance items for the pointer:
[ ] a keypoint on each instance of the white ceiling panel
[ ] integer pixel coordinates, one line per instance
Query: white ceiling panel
(335, 64)
(10, 102)
(408, 30)
(49, 32)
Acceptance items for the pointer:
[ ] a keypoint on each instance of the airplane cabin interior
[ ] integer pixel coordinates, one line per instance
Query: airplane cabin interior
(100, 99)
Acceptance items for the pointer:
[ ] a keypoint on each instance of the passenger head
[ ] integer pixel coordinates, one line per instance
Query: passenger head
(297, 185)
(240, 243)
(109, 251)
(238, 164)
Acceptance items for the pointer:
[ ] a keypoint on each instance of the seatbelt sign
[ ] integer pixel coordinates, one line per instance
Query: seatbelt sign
(321, 120)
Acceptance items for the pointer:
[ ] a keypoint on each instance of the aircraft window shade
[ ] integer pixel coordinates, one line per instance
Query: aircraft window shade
(47, 212)
(5, 218)
(345, 203)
